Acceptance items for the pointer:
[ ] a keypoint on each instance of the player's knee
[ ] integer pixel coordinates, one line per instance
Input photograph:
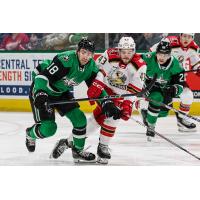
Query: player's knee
(48, 128)
(77, 117)
(163, 114)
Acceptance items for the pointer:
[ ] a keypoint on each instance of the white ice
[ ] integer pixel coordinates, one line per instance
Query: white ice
(129, 146)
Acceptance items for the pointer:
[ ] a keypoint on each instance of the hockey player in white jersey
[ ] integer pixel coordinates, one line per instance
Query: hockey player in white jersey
(118, 74)
(186, 51)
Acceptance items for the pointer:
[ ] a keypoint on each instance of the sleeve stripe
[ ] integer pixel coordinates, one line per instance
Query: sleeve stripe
(133, 88)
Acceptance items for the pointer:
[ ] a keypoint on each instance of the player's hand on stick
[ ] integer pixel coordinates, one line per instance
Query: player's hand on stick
(41, 100)
(110, 110)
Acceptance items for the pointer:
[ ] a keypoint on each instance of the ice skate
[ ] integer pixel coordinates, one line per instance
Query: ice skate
(30, 142)
(60, 147)
(150, 133)
(103, 154)
(184, 125)
(82, 156)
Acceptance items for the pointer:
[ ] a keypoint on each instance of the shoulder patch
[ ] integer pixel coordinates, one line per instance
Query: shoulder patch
(148, 55)
(65, 58)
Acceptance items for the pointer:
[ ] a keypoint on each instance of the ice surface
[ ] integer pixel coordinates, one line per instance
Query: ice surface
(129, 146)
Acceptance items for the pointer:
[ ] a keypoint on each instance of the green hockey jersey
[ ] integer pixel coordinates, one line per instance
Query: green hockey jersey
(62, 73)
(168, 75)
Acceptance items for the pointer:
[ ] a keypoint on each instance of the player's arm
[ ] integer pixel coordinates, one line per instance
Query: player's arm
(175, 87)
(49, 74)
(195, 63)
(96, 86)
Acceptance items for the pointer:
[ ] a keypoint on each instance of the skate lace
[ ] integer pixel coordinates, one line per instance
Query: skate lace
(84, 152)
(106, 149)
(31, 141)
(186, 121)
(61, 148)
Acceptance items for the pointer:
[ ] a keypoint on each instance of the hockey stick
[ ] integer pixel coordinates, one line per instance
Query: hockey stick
(174, 109)
(192, 70)
(165, 138)
(138, 94)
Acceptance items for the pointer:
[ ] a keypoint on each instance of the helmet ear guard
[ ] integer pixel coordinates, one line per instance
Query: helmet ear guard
(126, 43)
(86, 44)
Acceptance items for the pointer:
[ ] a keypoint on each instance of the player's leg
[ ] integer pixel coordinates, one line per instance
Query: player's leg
(168, 100)
(44, 126)
(153, 113)
(79, 122)
(184, 124)
(107, 131)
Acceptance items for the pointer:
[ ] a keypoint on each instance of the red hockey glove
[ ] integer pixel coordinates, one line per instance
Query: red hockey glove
(95, 90)
(126, 109)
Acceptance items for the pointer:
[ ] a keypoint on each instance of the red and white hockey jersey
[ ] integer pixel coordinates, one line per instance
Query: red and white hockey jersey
(118, 77)
(187, 56)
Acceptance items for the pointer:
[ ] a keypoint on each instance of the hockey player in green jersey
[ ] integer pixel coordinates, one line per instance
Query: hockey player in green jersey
(53, 81)
(169, 83)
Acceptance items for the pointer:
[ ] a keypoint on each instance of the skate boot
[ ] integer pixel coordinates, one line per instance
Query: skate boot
(30, 142)
(103, 154)
(144, 116)
(83, 156)
(150, 133)
(184, 125)
(60, 147)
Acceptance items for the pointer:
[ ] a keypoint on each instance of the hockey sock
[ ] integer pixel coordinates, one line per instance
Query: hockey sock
(106, 134)
(79, 137)
(78, 119)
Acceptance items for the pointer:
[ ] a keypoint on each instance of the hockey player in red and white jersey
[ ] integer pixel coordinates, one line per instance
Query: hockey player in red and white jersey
(119, 74)
(186, 51)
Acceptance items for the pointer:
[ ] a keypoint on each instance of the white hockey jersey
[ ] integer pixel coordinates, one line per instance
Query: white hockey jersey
(118, 77)
(187, 56)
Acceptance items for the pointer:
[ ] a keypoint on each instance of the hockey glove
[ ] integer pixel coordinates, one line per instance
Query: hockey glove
(170, 91)
(41, 100)
(110, 110)
(126, 109)
(95, 90)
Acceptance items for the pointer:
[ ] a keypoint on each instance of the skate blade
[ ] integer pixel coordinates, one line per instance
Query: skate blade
(102, 160)
(84, 161)
(185, 130)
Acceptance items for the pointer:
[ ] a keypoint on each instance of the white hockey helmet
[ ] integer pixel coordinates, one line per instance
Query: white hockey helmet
(192, 34)
(126, 43)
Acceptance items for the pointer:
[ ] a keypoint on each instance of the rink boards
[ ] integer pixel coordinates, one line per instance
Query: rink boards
(15, 80)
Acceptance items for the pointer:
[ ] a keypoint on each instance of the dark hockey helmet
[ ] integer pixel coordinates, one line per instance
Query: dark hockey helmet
(86, 44)
(164, 47)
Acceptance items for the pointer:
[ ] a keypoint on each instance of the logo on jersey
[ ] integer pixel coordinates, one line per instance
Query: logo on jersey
(69, 82)
(161, 80)
(117, 79)
(65, 58)
(148, 55)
